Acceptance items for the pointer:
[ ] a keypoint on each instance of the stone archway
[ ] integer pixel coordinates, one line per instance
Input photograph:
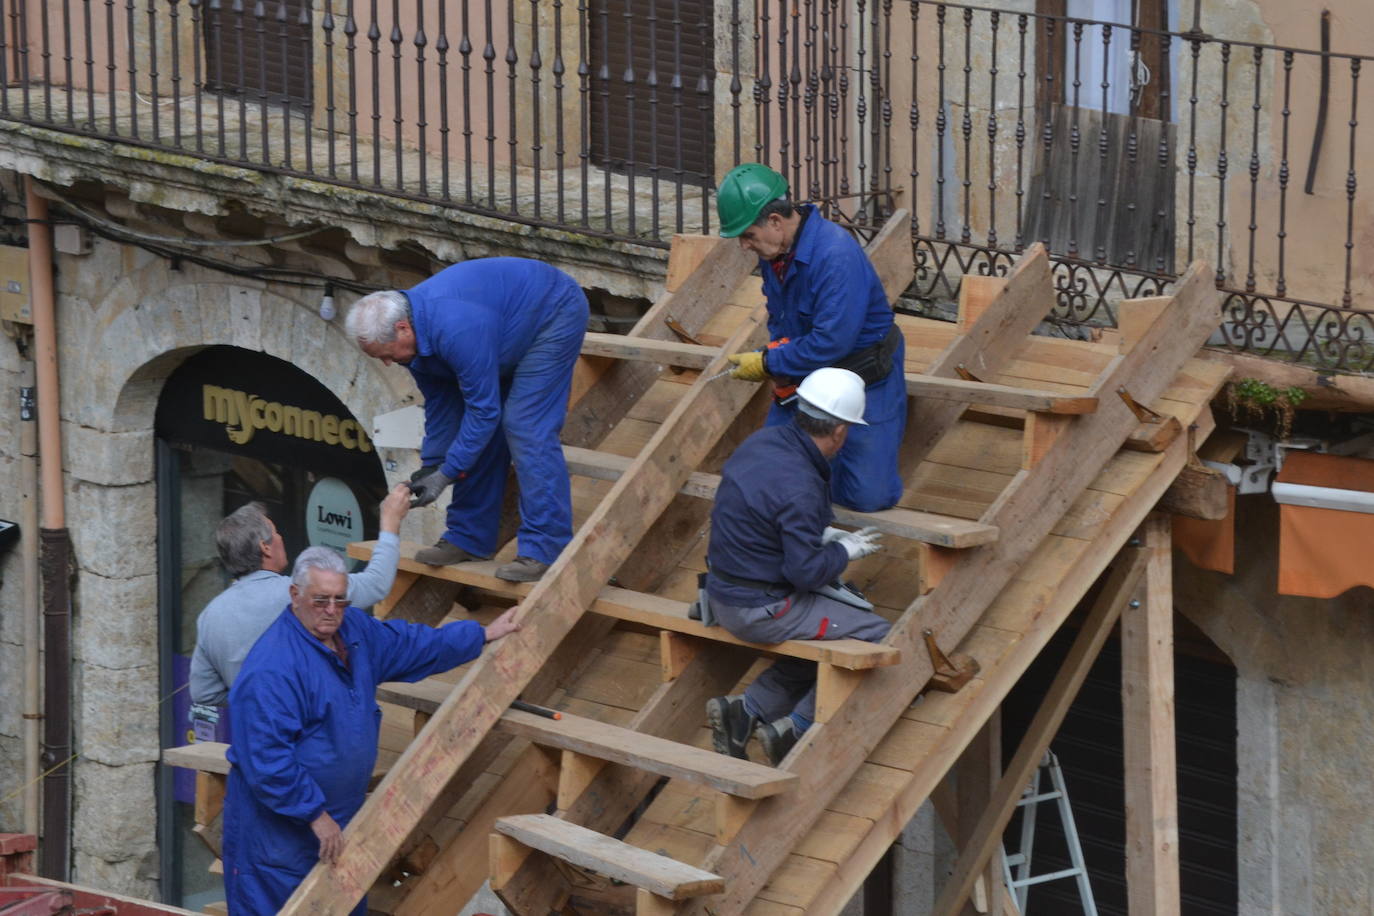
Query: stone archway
(121, 336)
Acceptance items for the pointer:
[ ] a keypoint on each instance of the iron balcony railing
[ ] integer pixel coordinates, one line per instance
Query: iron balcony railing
(1128, 148)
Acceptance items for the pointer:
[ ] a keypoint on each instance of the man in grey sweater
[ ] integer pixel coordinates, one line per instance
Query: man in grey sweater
(252, 550)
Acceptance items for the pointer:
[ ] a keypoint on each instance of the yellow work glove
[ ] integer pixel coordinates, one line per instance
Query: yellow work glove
(748, 366)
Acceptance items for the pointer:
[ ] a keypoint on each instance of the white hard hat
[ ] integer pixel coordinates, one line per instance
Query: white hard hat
(832, 394)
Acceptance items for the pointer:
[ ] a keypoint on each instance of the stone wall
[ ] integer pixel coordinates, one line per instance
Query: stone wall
(126, 320)
(1305, 720)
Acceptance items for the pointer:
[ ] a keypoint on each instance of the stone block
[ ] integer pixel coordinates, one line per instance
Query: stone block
(110, 458)
(132, 877)
(115, 621)
(114, 529)
(12, 689)
(114, 810)
(117, 714)
(11, 782)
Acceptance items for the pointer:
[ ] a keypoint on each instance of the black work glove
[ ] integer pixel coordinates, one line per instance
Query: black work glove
(423, 472)
(428, 487)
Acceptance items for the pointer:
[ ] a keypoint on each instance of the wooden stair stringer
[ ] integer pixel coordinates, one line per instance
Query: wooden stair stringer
(954, 719)
(551, 610)
(827, 756)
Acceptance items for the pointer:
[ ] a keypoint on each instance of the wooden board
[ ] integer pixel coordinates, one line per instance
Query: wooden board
(647, 752)
(586, 848)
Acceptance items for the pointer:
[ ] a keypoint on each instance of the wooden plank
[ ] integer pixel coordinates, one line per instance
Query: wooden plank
(575, 771)
(891, 254)
(1147, 700)
(588, 849)
(399, 588)
(1134, 317)
(984, 839)
(675, 653)
(664, 613)
(205, 756)
(547, 615)
(984, 350)
(977, 772)
(684, 257)
(648, 350)
(210, 790)
(989, 394)
(647, 752)
(942, 530)
(825, 757)
(1042, 429)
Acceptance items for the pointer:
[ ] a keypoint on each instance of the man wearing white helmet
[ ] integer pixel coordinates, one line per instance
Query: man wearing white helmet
(772, 549)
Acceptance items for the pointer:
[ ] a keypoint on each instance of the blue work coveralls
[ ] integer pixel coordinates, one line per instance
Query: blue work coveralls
(830, 304)
(305, 729)
(770, 513)
(496, 342)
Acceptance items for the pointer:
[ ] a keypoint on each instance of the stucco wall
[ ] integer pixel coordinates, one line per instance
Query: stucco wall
(1305, 720)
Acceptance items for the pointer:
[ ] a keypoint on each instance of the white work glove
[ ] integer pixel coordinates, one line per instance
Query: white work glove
(860, 543)
(831, 533)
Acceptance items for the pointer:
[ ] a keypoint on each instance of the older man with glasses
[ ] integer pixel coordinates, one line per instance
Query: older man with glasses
(305, 722)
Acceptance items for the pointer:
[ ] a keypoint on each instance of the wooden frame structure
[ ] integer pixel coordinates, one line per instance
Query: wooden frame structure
(1029, 465)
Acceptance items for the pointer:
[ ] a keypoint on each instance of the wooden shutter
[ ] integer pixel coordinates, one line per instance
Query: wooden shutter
(251, 53)
(617, 46)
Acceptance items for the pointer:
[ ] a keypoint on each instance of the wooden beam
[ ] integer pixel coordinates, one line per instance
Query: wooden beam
(685, 255)
(585, 848)
(1004, 396)
(1027, 510)
(976, 293)
(606, 742)
(943, 530)
(1038, 437)
(984, 350)
(547, 615)
(675, 652)
(648, 350)
(984, 839)
(978, 771)
(891, 254)
(1147, 700)
(575, 771)
(1134, 317)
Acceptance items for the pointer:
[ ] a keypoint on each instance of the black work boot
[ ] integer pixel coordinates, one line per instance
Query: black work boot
(777, 738)
(730, 725)
(443, 553)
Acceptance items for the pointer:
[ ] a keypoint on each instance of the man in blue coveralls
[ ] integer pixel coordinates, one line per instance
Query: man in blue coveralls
(305, 720)
(826, 307)
(491, 344)
(772, 555)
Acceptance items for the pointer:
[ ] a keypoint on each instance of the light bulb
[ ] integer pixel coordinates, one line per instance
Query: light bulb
(327, 311)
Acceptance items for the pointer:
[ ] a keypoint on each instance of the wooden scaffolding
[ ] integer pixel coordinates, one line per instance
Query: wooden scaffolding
(1032, 465)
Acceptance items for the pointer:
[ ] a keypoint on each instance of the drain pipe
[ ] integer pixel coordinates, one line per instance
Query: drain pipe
(28, 525)
(56, 550)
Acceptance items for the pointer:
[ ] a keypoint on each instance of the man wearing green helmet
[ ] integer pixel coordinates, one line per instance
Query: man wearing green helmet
(826, 307)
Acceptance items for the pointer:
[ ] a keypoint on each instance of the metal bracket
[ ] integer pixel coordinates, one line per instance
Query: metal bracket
(1142, 413)
(951, 673)
(965, 374)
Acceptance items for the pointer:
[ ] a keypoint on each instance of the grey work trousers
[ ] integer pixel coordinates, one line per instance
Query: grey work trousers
(789, 686)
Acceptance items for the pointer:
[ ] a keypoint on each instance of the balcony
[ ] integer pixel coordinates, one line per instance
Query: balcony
(1128, 148)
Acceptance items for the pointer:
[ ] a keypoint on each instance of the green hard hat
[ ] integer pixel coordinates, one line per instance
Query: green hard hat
(743, 192)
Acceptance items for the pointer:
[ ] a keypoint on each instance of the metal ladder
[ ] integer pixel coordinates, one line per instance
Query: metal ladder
(1021, 883)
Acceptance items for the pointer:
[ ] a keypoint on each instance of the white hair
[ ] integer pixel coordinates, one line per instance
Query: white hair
(372, 319)
(324, 559)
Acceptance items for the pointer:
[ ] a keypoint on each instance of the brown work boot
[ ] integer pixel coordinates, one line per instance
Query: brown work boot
(443, 553)
(522, 569)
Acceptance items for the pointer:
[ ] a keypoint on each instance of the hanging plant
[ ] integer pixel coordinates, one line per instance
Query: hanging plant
(1252, 400)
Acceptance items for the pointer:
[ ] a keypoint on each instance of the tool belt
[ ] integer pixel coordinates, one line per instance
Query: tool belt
(874, 362)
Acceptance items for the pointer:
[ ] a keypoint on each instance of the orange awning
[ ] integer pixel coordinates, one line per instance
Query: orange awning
(1209, 545)
(1323, 552)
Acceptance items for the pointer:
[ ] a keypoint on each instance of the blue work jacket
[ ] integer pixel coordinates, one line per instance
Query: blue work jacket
(473, 322)
(771, 509)
(829, 302)
(305, 730)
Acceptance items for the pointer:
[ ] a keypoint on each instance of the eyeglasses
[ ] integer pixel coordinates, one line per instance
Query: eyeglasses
(324, 601)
